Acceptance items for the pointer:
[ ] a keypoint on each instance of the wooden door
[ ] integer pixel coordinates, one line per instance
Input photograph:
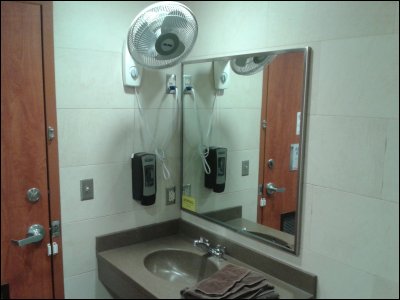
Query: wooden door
(28, 158)
(282, 101)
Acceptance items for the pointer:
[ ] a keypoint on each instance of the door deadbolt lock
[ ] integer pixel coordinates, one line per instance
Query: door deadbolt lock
(271, 163)
(33, 195)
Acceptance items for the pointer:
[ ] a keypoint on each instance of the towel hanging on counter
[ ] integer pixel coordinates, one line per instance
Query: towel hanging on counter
(232, 282)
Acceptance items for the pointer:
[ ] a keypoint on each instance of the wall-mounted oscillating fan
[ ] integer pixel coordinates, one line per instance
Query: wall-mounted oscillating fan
(162, 35)
(248, 65)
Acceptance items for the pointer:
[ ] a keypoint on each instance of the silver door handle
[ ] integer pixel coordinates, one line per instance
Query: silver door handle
(271, 189)
(35, 234)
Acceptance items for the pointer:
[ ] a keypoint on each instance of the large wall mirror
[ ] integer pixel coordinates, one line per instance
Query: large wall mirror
(243, 141)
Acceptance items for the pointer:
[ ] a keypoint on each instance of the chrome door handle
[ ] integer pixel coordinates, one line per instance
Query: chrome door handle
(35, 234)
(271, 189)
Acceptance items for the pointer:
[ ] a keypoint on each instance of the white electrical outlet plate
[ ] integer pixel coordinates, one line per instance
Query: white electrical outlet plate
(187, 83)
(187, 189)
(171, 195)
(171, 83)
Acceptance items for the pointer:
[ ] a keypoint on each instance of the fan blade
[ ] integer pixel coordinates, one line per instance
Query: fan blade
(265, 60)
(146, 40)
(175, 19)
(241, 61)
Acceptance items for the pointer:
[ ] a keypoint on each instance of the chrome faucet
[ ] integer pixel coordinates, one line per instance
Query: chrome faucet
(202, 243)
(217, 251)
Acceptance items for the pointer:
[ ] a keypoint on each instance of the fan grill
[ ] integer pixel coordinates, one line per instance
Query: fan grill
(245, 65)
(162, 35)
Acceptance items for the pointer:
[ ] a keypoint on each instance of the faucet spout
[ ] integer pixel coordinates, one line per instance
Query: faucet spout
(203, 243)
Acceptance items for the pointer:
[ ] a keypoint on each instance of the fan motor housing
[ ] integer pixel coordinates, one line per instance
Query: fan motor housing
(167, 44)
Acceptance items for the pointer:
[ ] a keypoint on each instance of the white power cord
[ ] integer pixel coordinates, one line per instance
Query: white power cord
(160, 151)
(203, 148)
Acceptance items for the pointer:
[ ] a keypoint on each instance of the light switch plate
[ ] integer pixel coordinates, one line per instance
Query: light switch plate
(87, 192)
(245, 168)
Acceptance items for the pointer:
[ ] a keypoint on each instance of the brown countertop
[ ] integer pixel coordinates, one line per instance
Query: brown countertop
(123, 272)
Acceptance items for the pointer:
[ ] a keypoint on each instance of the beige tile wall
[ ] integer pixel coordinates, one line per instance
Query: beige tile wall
(236, 113)
(99, 128)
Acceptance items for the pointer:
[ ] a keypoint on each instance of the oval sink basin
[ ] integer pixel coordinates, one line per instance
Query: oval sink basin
(179, 266)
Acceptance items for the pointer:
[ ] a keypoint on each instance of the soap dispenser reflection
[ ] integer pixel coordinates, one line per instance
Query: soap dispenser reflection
(216, 159)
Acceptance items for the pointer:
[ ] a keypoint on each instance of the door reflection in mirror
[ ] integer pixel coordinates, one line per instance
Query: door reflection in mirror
(281, 104)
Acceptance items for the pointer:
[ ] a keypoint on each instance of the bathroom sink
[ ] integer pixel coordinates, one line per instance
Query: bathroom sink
(179, 266)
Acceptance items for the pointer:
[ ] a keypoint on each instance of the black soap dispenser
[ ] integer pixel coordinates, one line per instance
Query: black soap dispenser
(144, 183)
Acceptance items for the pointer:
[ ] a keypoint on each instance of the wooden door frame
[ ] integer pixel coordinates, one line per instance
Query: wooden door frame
(52, 146)
(262, 162)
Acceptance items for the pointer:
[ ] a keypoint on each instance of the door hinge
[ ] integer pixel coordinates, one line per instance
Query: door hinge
(50, 133)
(55, 228)
(264, 124)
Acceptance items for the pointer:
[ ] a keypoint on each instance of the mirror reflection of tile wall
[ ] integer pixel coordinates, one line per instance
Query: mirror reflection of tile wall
(236, 126)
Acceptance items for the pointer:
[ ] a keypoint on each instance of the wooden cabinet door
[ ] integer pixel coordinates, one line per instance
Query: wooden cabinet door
(282, 101)
(28, 159)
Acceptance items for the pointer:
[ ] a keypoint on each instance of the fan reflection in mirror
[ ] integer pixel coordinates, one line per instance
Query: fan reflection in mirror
(249, 65)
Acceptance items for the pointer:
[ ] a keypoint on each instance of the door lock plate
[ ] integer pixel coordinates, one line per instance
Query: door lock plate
(55, 228)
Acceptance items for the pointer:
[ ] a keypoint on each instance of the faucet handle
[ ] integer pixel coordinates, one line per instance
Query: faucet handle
(218, 251)
(204, 240)
(220, 248)
(201, 240)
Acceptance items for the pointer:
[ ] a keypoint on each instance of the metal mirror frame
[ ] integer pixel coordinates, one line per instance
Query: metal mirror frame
(307, 60)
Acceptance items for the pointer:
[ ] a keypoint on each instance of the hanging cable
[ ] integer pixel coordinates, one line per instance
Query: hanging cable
(141, 113)
(160, 150)
(203, 147)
